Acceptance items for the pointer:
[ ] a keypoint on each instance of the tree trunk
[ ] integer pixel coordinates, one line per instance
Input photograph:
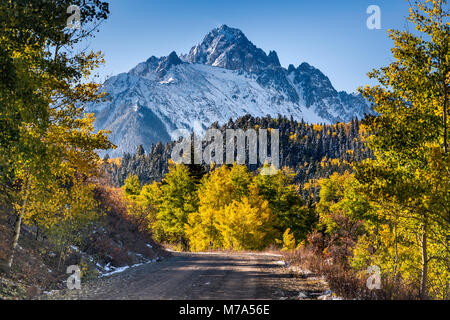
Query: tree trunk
(61, 254)
(396, 251)
(444, 69)
(444, 120)
(15, 239)
(424, 278)
(17, 228)
(448, 265)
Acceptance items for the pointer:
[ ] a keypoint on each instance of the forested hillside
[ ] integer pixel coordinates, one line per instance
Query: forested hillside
(311, 151)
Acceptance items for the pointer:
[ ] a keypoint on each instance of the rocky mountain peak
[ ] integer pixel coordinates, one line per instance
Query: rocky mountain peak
(273, 58)
(230, 34)
(291, 68)
(173, 59)
(229, 48)
(166, 63)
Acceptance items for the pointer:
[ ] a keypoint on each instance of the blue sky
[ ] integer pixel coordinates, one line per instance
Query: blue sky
(328, 34)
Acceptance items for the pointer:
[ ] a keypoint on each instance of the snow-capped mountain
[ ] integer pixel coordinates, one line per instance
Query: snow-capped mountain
(223, 77)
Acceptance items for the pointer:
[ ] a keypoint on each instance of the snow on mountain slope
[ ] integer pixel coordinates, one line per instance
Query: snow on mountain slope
(223, 77)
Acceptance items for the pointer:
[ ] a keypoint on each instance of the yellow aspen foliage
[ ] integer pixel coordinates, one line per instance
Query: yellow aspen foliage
(219, 188)
(408, 179)
(246, 225)
(201, 230)
(178, 199)
(288, 240)
(317, 127)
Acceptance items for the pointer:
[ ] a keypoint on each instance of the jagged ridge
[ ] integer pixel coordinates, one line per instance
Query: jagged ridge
(225, 76)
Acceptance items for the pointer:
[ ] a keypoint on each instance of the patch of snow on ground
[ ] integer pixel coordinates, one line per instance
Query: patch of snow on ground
(110, 270)
(170, 80)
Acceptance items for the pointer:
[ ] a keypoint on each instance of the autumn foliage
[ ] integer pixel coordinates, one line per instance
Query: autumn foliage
(229, 208)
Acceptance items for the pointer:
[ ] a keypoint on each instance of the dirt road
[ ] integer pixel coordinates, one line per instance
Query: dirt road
(201, 276)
